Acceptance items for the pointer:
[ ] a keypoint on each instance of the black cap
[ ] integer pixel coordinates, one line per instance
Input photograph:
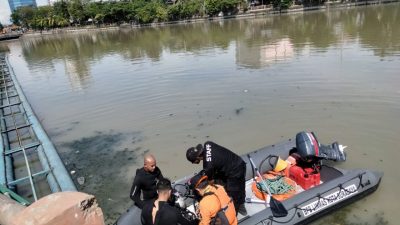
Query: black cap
(192, 153)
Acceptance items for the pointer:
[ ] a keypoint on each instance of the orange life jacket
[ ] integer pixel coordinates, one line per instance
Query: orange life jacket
(215, 199)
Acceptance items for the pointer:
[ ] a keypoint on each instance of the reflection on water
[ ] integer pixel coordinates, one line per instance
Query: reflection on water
(242, 83)
(261, 56)
(280, 36)
(78, 73)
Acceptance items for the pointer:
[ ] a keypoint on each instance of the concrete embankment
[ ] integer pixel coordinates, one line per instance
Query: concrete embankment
(62, 208)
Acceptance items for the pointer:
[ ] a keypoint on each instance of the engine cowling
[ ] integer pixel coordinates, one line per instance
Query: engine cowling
(307, 146)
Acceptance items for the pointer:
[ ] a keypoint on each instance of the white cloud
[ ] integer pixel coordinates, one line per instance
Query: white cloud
(41, 2)
(4, 12)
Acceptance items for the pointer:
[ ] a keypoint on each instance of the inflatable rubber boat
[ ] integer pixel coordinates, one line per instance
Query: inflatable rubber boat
(315, 186)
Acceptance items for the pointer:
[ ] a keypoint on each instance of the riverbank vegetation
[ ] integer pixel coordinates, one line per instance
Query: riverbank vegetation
(65, 13)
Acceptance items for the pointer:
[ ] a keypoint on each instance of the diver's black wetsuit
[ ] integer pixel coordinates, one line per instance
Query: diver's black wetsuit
(221, 163)
(166, 214)
(145, 182)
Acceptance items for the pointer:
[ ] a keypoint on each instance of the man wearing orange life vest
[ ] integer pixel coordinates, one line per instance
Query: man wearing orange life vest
(221, 164)
(215, 206)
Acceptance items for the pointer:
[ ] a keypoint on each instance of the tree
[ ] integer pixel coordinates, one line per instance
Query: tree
(229, 6)
(161, 14)
(75, 10)
(44, 17)
(191, 8)
(61, 9)
(23, 16)
(282, 4)
(174, 12)
(61, 21)
(212, 7)
(118, 11)
(99, 18)
(1, 26)
(41, 22)
(92, 9)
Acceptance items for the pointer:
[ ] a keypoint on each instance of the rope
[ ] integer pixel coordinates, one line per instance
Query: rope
(277, 186)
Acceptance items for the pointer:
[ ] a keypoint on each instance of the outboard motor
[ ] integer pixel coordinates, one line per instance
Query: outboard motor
(310, 149)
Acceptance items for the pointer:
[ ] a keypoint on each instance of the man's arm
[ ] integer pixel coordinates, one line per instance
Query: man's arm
(146, 217)
(208, 169)
(135, 192)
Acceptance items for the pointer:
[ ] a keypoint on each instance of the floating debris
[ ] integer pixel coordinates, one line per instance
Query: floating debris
(239, 110)
(81, 180)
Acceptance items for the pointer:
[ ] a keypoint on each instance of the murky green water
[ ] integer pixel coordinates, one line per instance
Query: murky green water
(105, 98)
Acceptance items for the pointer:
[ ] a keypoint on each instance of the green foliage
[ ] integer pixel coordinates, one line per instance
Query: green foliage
(146, 14)
(64, 12)
(75, 10)
(161, 14)
(23, 15)
(229, 6)
(16, 18)
(1, 26)
(99, 18)
(244, 5)
(213, 7)
(282, 4)
(61, 9)
(191, 8)
(43, 17)
(117, 12)
(174, 12)
(185, 9)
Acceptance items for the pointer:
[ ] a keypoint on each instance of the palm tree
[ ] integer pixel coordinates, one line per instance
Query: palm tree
(51, 21)
(41, 22)
(61, 21)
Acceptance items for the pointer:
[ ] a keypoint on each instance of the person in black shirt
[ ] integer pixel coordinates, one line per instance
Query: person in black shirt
(145, 181)
(221, 163)
(159, 211)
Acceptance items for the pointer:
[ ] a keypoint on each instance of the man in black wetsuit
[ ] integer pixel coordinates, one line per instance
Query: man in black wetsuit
(159, 211)
(145, 181)
(221, 163)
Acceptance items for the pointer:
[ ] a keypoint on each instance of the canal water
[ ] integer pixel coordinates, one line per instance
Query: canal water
(106, 98)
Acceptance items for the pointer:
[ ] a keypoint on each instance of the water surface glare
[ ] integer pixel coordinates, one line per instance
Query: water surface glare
(106, 98)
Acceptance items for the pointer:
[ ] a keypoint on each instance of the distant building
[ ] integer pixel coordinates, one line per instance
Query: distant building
(15, 4)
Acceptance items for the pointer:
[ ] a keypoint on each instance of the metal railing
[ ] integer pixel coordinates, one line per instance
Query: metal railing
(27, 155)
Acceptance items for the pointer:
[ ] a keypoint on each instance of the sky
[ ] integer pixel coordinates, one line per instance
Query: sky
(5, 10)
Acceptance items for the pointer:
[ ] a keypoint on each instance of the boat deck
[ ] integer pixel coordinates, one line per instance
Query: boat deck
(255, 205)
